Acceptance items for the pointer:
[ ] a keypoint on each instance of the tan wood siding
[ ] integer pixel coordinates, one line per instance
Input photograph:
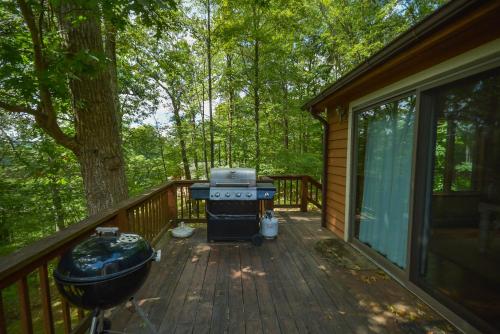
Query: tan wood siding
(337, 162)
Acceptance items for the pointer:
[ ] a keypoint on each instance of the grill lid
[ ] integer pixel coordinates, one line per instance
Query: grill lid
(102, 257)
(233, 177)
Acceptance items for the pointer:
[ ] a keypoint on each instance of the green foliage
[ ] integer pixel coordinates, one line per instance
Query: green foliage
(40, 182)
(162, 65)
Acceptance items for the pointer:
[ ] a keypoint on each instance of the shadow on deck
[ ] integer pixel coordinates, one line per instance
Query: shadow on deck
(284, 286)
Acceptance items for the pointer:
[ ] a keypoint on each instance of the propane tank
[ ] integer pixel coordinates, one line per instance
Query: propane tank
(269, 225)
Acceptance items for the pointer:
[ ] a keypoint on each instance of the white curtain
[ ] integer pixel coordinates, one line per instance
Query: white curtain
(387, 174)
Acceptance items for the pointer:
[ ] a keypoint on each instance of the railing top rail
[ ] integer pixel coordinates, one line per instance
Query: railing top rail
(297, 176)
(189, 182)
(316, 183)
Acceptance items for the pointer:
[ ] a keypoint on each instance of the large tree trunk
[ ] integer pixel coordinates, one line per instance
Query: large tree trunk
(94, 102)
(194, 142)
(96, 143)
(256, 86)
(230, 113)
(209, 60)
(256, 105)
(182, 141)
(203, 132)
(286, 129)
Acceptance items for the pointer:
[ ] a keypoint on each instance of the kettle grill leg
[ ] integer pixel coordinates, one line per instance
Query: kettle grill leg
(143, 316)
(95, 321)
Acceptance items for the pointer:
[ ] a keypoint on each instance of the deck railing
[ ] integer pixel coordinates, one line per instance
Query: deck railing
(296, 191)
(29, 270)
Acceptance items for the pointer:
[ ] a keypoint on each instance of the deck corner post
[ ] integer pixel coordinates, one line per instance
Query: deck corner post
(172, 202)
(121, 220)
(303, 197)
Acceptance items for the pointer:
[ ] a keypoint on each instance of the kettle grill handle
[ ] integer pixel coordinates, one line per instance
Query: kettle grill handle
(106, 231)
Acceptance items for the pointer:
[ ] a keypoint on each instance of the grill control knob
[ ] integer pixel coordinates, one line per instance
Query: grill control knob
(249, 194)
(238, 194)
(217, 195)
(228, 194)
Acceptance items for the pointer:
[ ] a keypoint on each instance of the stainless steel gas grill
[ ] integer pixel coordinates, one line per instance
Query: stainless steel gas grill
(232, 203)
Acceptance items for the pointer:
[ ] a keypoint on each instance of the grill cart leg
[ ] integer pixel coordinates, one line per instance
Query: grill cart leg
(257, 239)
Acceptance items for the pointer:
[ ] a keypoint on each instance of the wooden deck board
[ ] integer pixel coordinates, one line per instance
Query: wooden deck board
(285, 286)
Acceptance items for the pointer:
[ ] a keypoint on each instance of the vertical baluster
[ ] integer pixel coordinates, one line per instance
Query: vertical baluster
(144, 217)
(188, 204)
(3, 324)
(66, 313)
(198, 209)
(284, 191)
(291, 191)
(190, 201)
(163, 210)
(141, 219)
(149, 219)
(304, 196)
(278, 190)
(149, 205)
(24, 304)
(182, 202)
(133, 220)
(158, 214)
(155, 220)
(145, 221)
(147, 226)
(297, 191)
(48, 319)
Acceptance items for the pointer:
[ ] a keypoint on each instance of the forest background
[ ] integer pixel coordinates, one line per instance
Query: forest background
(193, 84)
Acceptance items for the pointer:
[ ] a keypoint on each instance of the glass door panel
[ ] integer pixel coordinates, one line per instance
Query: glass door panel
(384, 158)
(460, 246)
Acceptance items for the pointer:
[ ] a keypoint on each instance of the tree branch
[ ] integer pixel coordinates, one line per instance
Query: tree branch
(48, 124)
(46, 116)
(17, 108)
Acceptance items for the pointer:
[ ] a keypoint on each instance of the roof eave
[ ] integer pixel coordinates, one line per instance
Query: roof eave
(439, 18)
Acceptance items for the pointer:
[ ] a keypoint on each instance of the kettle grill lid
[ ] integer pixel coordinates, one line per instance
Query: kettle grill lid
(102, 257)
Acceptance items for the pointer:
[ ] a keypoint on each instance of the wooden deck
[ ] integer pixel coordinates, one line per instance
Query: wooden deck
(284, 286)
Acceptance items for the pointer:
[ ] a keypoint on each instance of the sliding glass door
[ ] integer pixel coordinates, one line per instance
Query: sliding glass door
(458, 246)
(384, 150)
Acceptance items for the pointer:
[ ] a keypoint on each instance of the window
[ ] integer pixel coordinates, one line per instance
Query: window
(384, 146)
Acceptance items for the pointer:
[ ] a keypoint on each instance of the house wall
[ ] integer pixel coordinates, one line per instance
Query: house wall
(338, 143)
(337, 162)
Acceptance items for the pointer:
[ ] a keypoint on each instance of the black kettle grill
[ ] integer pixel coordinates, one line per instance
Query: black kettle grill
(104, 270)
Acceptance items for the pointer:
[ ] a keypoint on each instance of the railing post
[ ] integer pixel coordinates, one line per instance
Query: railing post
(172, 202)
(303, 197)
(3, 323)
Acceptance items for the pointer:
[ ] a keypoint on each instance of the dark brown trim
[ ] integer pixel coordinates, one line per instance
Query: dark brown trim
(324, 181)
(440, 18)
